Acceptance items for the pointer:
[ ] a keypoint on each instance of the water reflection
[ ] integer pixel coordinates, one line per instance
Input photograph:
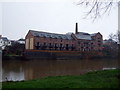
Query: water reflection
(26, 70)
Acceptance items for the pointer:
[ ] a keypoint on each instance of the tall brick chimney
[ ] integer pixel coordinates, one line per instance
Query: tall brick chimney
(76, 28)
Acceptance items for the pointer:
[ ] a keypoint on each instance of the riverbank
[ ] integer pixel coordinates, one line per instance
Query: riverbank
(97, 79)
(18, 57)
(52, 58)
(48, 56)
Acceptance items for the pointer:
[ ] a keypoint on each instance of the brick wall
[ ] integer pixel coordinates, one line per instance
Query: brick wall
(44, 43)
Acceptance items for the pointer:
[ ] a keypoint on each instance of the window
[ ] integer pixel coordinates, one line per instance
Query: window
(50, 44)
(44, 43)
(67, 45)
(38, 44)
(99, 45)
(60, 45)
(55, 44)
(99, 41)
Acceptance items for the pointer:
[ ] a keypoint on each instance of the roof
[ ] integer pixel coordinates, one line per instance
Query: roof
(82, 35)
(50, 35)
(79, 35)
(21, 39)
(109, 41)
(93, 34)
(4, 38)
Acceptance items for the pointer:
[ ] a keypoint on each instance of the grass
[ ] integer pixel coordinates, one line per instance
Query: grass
(98, 79)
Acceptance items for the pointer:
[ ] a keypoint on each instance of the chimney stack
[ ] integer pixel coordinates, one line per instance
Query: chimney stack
(76, 28)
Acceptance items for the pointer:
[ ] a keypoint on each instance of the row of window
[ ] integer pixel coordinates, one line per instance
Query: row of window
(84, 49)
(61, 40)
(87, 43)
(99, 45)
(50, 44)
(54, 48)
(67, 45)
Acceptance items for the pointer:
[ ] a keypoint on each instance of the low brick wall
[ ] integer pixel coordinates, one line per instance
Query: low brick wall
(44, 54)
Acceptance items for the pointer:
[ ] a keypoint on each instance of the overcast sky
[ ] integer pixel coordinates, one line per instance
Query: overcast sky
(16, 19)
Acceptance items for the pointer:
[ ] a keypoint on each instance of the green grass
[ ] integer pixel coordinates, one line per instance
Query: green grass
(98, 79)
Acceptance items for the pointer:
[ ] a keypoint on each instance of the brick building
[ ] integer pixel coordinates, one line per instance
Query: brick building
(78, 41)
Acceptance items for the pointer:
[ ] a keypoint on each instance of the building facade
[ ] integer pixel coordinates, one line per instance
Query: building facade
(78, 41)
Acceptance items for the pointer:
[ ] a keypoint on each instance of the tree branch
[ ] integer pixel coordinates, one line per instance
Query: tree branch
(97, 8)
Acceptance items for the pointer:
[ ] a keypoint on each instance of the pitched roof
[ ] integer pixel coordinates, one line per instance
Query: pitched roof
(93, 34)
(21, 39)
(4, 38)
(109, 40)
(79, 35)
(83, 35)
(50, 35)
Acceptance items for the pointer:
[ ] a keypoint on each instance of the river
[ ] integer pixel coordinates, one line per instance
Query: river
(17, 70)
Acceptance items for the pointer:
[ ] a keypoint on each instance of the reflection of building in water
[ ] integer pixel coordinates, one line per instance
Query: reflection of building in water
(34, 69)
(46, 68)
(28, 73)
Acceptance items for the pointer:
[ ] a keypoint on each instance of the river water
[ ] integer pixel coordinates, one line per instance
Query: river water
(17, 70)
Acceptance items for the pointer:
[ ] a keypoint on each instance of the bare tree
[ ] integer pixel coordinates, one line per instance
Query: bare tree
(97, 8)
(112, 37)
(115, 37)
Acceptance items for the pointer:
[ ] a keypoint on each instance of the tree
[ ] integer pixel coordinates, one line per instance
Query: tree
(97, 8)
(112, 36)
(118, 36)
(16, 49)
(115, 37)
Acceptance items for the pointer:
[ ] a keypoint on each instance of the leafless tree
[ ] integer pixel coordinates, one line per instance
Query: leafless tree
(115, 37)
(112, 36)
(97, 8)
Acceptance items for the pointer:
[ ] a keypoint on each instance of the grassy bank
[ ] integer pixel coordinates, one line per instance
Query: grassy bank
(98, 79)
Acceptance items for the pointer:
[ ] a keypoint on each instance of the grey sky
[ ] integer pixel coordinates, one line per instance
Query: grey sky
(57, 17)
